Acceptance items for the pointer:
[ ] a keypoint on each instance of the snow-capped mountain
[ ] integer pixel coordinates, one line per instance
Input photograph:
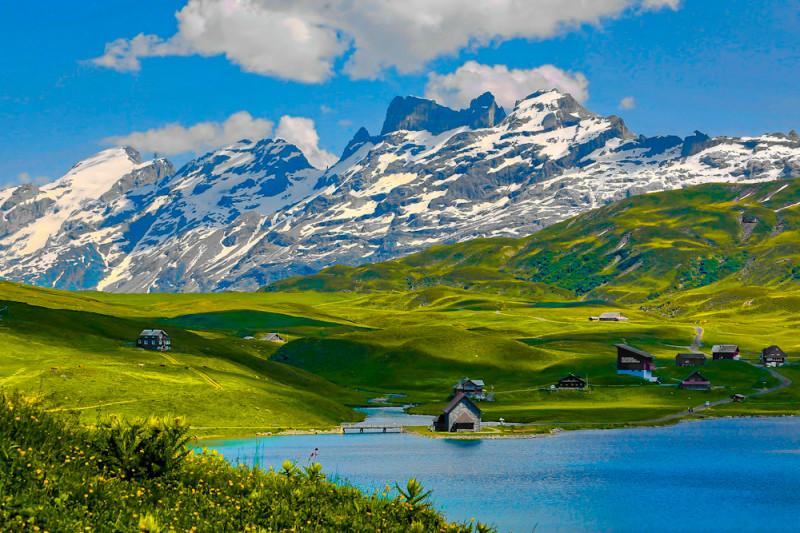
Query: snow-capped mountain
(251, 213)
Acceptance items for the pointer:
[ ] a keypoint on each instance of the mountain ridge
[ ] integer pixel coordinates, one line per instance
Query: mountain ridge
(254, 212)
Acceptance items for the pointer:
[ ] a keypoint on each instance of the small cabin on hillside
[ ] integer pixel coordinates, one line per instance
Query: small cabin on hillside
(690, 359)
(695, 381)
(609, 317)
(737, 398)
(773, 356)
(471, 388)
(634, 362)
(724, 351)
(154, 339)
(571, 382)
(459, 415)
(272, 337)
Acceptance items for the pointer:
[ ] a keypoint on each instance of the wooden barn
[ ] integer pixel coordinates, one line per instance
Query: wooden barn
(737, 398)
(459, 415)
(634, 362)
(695, 381)
(690, 359)
(272, 337)
(609, 317)
(471, 388)
(773, 356)
(154, 339)
(724, 351)
(571, 382)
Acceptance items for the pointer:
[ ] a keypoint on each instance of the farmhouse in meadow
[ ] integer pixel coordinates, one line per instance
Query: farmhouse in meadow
(690, 359)
(725, 351)
(459, 415)
(634, 362)
(772, 356)
(154, 339)
(272, 337)
(571, 382)
(609, 317)
(695, 381)
(471, 388)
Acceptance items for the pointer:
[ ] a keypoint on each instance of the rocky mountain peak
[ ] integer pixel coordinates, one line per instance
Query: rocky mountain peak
(418, 114)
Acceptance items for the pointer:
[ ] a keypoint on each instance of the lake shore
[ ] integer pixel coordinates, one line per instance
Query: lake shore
(421, 431)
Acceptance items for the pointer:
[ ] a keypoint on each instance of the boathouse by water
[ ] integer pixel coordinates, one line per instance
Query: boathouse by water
(459, 415)
(634, 362)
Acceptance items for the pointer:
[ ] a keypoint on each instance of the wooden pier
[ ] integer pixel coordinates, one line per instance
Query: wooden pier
(380, 428)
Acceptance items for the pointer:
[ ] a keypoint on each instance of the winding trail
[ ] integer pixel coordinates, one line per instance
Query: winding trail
(205, 377)
(785, 382)
(698, 339)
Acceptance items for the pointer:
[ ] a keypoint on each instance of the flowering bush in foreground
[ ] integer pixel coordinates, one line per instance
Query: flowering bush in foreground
(58, 476)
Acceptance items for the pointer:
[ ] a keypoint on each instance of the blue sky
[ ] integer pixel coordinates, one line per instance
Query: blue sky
(725, 68)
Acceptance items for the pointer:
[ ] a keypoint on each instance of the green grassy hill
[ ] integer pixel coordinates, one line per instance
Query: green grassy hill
(77, 349)
(643, 250)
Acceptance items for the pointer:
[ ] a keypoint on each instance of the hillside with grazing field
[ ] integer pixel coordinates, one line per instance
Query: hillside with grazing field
(511, 312)
(659, 250)
(78, 349)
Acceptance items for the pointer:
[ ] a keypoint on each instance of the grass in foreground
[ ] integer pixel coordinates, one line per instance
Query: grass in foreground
(58, 476)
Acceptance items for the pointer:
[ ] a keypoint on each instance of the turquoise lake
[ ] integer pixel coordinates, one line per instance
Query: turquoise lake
(715, 475)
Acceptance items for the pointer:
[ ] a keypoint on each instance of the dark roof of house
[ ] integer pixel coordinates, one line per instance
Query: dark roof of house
(148, 332)
(457, 400)
(724, 348)
(634, 350)
(476, 382)
(695, 377)
(773, 350)
(571, 377)
(692, 355)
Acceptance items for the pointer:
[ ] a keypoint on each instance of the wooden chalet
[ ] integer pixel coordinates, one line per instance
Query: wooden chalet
(272, 337)
(154, 339)
(609, 317)
(471, 388)
(737, 398)
(690, 359)
(773, 356)
(458, 416)
(695, 381)
(724, 351)
(571, 382)
(634, 362)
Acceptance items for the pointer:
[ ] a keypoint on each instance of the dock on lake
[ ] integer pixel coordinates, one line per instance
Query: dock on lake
(371, 428)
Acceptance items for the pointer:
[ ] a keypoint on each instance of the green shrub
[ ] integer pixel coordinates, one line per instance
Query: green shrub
(128, 477)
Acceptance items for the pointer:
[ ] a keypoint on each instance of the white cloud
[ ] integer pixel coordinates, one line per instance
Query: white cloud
(301, 39)
(25, 177)
(177, 139)
(627, 103)
(301, 132)
(507, 85)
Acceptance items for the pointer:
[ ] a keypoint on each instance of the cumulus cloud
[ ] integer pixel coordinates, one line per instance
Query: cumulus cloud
(300, 131)
(177, 139)
(302, 39)
(507, 85)
(627, 103)
(25, 177)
